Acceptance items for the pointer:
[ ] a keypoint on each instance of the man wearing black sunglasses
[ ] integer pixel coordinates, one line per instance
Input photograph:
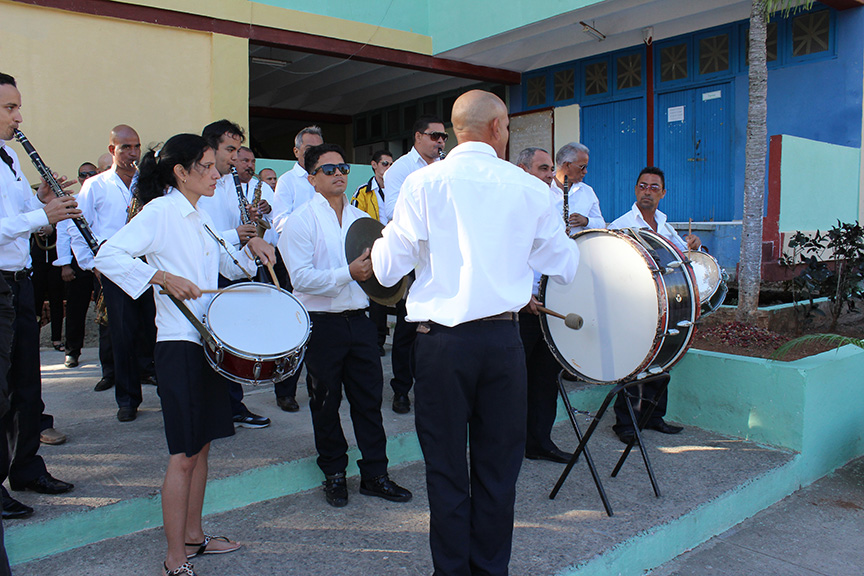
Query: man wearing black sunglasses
(429, 141)
(341, 351)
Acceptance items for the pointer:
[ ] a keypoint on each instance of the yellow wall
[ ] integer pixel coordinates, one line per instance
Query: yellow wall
(81, 75)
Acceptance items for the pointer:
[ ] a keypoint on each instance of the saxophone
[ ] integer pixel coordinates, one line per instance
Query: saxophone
(261, 225)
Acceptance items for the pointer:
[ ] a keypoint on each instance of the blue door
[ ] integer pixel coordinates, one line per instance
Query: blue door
(694, 149)
(615, 134)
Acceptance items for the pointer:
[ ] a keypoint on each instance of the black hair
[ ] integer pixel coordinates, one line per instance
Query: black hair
(653, 170)
(7, 79)
(422, 123)
(213, 132)
(376, 157)
(155, 174)
(87, 164)
(313, 153)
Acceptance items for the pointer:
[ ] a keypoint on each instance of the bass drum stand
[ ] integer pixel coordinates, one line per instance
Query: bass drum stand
(661, 381)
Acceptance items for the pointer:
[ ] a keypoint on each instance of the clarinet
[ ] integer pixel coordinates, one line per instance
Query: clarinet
(441, 154)
(241, 198)
(566, 207)
(46, 174)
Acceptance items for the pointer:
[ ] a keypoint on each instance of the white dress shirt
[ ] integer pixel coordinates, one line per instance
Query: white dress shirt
(475, 227)
(581, 200)
(292, 191)
(313, 247)
(64, 243)
(21, 213)
(104, 202)
(634, 219)
(170, 232)
(396, 175)
(224, 209)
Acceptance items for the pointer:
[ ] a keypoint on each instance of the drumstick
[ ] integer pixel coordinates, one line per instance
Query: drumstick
(273, 275)
(217, 291)
(689, 233)
(572, 321)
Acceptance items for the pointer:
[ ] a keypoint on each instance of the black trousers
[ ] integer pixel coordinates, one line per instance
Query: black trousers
(470, 390)
(404, 335)
(645, 394)
(79, 294)
(22, 423)
(48, 285)
(543, 372)
(378, 315)
(133, 335)
(342, 353)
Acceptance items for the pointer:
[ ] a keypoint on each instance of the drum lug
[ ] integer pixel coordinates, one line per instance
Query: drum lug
(655, 370)
(280, 366)
(672, 332)
(676, 264)
(685, 324)
(256, 370)
(220, 354)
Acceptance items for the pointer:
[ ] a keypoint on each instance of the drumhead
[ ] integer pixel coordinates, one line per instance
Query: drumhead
(619, 300)
(258, 319)
(707, 273)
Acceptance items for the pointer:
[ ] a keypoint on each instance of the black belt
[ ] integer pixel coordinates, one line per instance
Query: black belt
(17, 275)
(344, 313)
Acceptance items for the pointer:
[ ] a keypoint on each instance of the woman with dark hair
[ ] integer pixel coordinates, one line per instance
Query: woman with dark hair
(184, 258)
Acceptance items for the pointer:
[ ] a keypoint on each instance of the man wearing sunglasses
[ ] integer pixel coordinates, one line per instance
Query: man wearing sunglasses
(429, 141)
(583, 207)
(341, 351)
(650, 189)
(293, 188)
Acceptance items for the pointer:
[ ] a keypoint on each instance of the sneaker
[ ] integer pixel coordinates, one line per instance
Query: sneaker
(336, 489)
(250, 420)
(71, 361)
(52, 437)
(401, 403)
(383, 487)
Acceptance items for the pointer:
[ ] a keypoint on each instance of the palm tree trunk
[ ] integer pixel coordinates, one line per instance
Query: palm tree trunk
(756, 150)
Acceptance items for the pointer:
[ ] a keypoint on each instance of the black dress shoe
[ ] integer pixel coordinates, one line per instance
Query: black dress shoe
(44, 484)
(287, 403)
(553, 455)
(383, 487)
(104, 384)
(401, 403)
(13, 509)
(665, 428)
(336, 490)
(151, 380)
(627, 436)
(127, 414)
(71, 361)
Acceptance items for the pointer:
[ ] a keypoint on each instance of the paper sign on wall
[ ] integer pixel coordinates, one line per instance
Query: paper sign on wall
(675, 114)
(712, 95)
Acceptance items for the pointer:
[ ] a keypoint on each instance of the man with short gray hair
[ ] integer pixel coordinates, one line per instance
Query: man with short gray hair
(537, 162)
(583, 205)
(293, 188)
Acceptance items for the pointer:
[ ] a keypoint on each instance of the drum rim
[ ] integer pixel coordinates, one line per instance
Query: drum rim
(244, 353)
(662, 313)
(719, 272)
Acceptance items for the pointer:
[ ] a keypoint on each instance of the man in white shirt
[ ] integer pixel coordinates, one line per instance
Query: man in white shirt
(583, 206)
(341, 351)
(252, 187)
(293, 188)
(105, 200)
(21, 213)
(475, 227)
(268, 175)
(650, 189)
(429, 140)
(543, 369)
(226, 138)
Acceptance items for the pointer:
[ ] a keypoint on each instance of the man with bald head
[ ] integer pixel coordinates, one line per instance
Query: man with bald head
(104, 200)
(486, 225)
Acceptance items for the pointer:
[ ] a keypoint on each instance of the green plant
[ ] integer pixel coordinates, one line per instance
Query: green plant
(827, 338)
(833, 267)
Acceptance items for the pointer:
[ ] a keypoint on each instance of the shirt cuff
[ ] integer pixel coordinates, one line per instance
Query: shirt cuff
(343, 276)
(37, 219)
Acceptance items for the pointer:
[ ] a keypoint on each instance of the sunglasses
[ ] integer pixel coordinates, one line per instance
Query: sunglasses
(652, 187)
(330, 169)
(437, 135)
(87, 174)
(384, 163)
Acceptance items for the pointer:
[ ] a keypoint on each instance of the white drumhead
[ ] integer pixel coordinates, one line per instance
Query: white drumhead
(616, 295)
(258, 319)
(707, 272)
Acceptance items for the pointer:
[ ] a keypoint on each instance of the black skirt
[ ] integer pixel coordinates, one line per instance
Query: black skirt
(196, 407)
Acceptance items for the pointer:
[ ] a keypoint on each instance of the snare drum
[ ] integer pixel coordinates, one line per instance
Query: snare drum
(711, 280)
(261, 333)
(637, 300)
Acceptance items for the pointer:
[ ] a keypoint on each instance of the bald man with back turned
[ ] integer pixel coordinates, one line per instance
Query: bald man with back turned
(486, 224)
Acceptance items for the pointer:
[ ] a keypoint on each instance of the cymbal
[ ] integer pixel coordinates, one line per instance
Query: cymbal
(361, 235)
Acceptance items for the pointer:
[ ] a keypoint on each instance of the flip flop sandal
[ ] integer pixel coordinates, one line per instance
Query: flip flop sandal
(184, 569)
(202, 546)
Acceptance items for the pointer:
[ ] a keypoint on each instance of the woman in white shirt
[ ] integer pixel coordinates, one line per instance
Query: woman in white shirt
(184, 259)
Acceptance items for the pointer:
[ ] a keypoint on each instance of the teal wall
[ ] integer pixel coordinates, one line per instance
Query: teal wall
(360, 173)
(450, 23)
(819, 184)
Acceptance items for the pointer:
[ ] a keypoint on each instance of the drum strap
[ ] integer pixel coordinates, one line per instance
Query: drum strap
(205, 334)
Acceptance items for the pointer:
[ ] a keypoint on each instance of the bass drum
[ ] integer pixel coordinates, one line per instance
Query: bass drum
(637, 299)
(711, 280)
(260, 331)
